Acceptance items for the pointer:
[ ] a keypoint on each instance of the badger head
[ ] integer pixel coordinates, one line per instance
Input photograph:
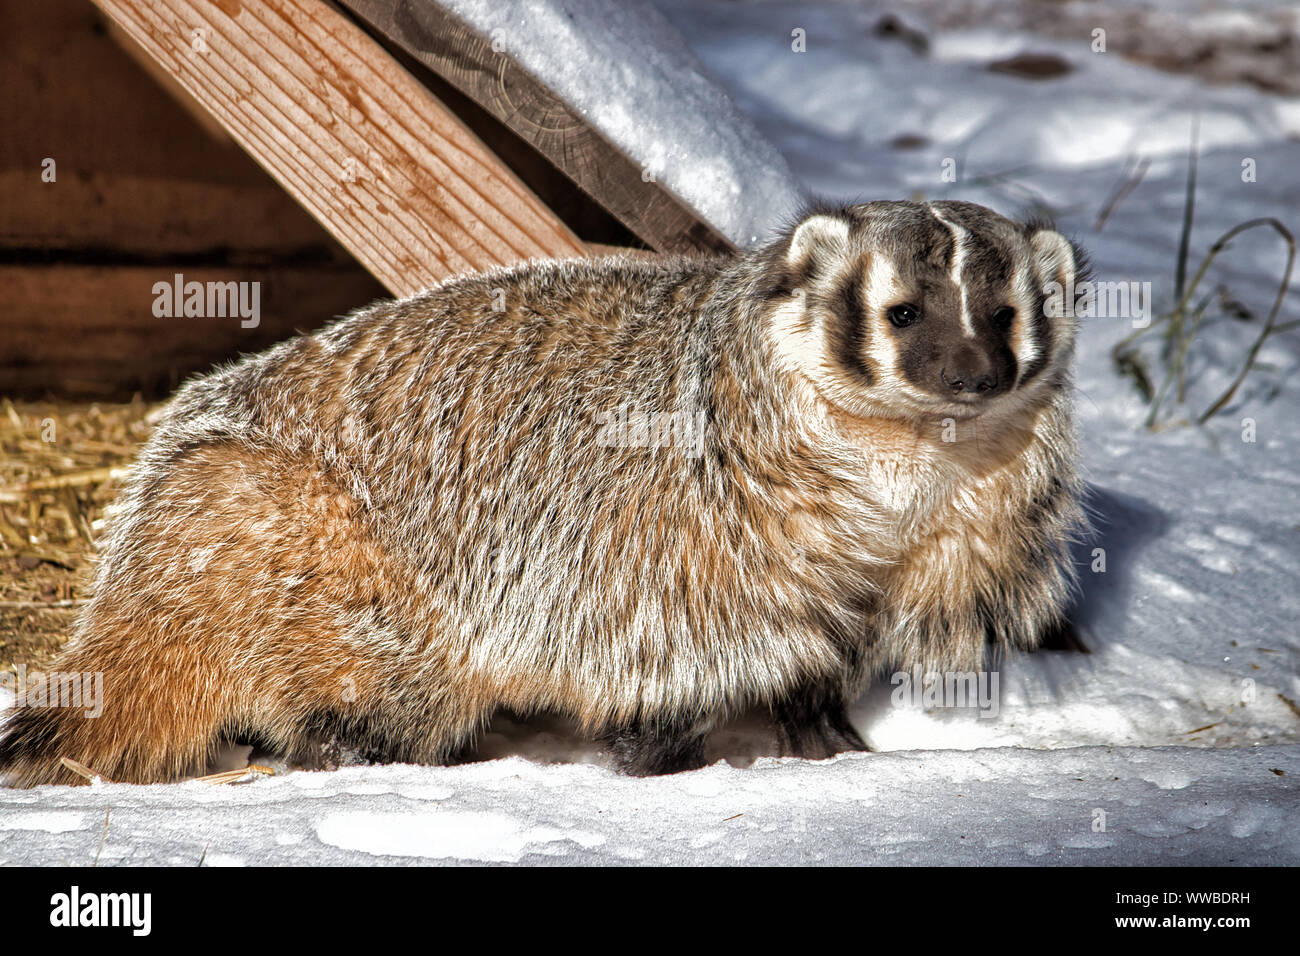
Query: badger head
(923, 310)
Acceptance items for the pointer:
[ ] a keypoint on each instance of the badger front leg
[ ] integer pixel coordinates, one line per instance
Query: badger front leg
(812, 722)
(650, 748)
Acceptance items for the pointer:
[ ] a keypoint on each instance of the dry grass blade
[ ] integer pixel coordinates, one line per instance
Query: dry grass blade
(1127, 184)
(1269, 324)
(1175, 330)
(240, 775)
(1198, 316)
(27, 605)
(1178, 363)
(81, 770)
(94, 476)
(1130, 363)
(1177, 342)
(103, 837)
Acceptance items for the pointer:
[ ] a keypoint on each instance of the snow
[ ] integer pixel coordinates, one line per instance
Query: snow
(1182, 725)
(621, 65)
(1094, 805)
(1198, 606)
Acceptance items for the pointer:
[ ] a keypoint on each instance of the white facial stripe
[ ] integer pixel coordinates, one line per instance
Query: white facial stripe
(1024, 337)
(882, 290)
(961, 245)
(795, 342)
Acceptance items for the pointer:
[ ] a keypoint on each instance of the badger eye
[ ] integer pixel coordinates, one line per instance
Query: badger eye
(1003, 317)
(904, 315)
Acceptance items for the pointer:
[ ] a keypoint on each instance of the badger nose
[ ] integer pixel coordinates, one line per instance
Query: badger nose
(970, 371)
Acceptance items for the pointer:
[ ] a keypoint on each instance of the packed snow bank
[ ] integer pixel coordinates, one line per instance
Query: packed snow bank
(1081, 806)
(630, 74)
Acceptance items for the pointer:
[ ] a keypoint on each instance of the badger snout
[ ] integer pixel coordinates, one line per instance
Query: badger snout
(969, 370)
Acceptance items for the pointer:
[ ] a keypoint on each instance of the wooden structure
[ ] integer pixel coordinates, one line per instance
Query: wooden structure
(410, 160)
(468, 61)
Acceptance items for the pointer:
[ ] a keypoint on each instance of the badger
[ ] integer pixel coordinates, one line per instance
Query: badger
(648, 494)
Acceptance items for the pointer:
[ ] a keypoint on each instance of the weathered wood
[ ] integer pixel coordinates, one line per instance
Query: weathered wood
(134, 178)
(107, 216)
(90, 331)
(385, 167)
(493, 79)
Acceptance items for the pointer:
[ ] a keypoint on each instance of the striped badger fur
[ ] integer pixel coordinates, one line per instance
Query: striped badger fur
(380, 533)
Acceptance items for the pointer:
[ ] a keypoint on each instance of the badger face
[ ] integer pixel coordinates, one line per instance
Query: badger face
(923, 309)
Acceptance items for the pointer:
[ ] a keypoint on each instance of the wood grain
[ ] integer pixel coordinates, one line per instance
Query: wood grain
(466, 59)
(369, 152)
(85, 331)
(137, 179)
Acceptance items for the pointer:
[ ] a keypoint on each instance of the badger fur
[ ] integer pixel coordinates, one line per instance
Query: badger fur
(381, 533)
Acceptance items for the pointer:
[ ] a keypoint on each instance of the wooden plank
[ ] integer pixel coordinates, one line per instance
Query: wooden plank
(106, 216)
(465, 58)
(135, 178)
(90, 331)
(367, 150)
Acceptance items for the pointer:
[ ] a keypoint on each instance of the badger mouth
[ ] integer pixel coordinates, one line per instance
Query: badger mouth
(961, 407)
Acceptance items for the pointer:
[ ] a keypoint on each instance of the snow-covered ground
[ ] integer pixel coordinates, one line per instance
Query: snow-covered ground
(678, 124)
(1198, 608)
(1182, 726)
(1157, 806)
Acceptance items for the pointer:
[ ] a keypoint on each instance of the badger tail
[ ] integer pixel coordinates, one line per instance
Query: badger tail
(32, 741)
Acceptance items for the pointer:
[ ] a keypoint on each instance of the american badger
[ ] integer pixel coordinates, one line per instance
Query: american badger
(646, 494)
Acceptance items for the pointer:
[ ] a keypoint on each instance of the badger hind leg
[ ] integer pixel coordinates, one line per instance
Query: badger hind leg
(812, 722)
(247, 595)
(31, 744)
(330, 738)
(652, 748)
(157, 746)
(328, 741)
(1061, 635)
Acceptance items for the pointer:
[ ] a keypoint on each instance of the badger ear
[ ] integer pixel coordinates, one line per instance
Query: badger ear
(1054, 258)
(815, 241)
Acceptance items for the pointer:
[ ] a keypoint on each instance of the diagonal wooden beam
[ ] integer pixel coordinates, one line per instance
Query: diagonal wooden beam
(492, 77)
(399, 180)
